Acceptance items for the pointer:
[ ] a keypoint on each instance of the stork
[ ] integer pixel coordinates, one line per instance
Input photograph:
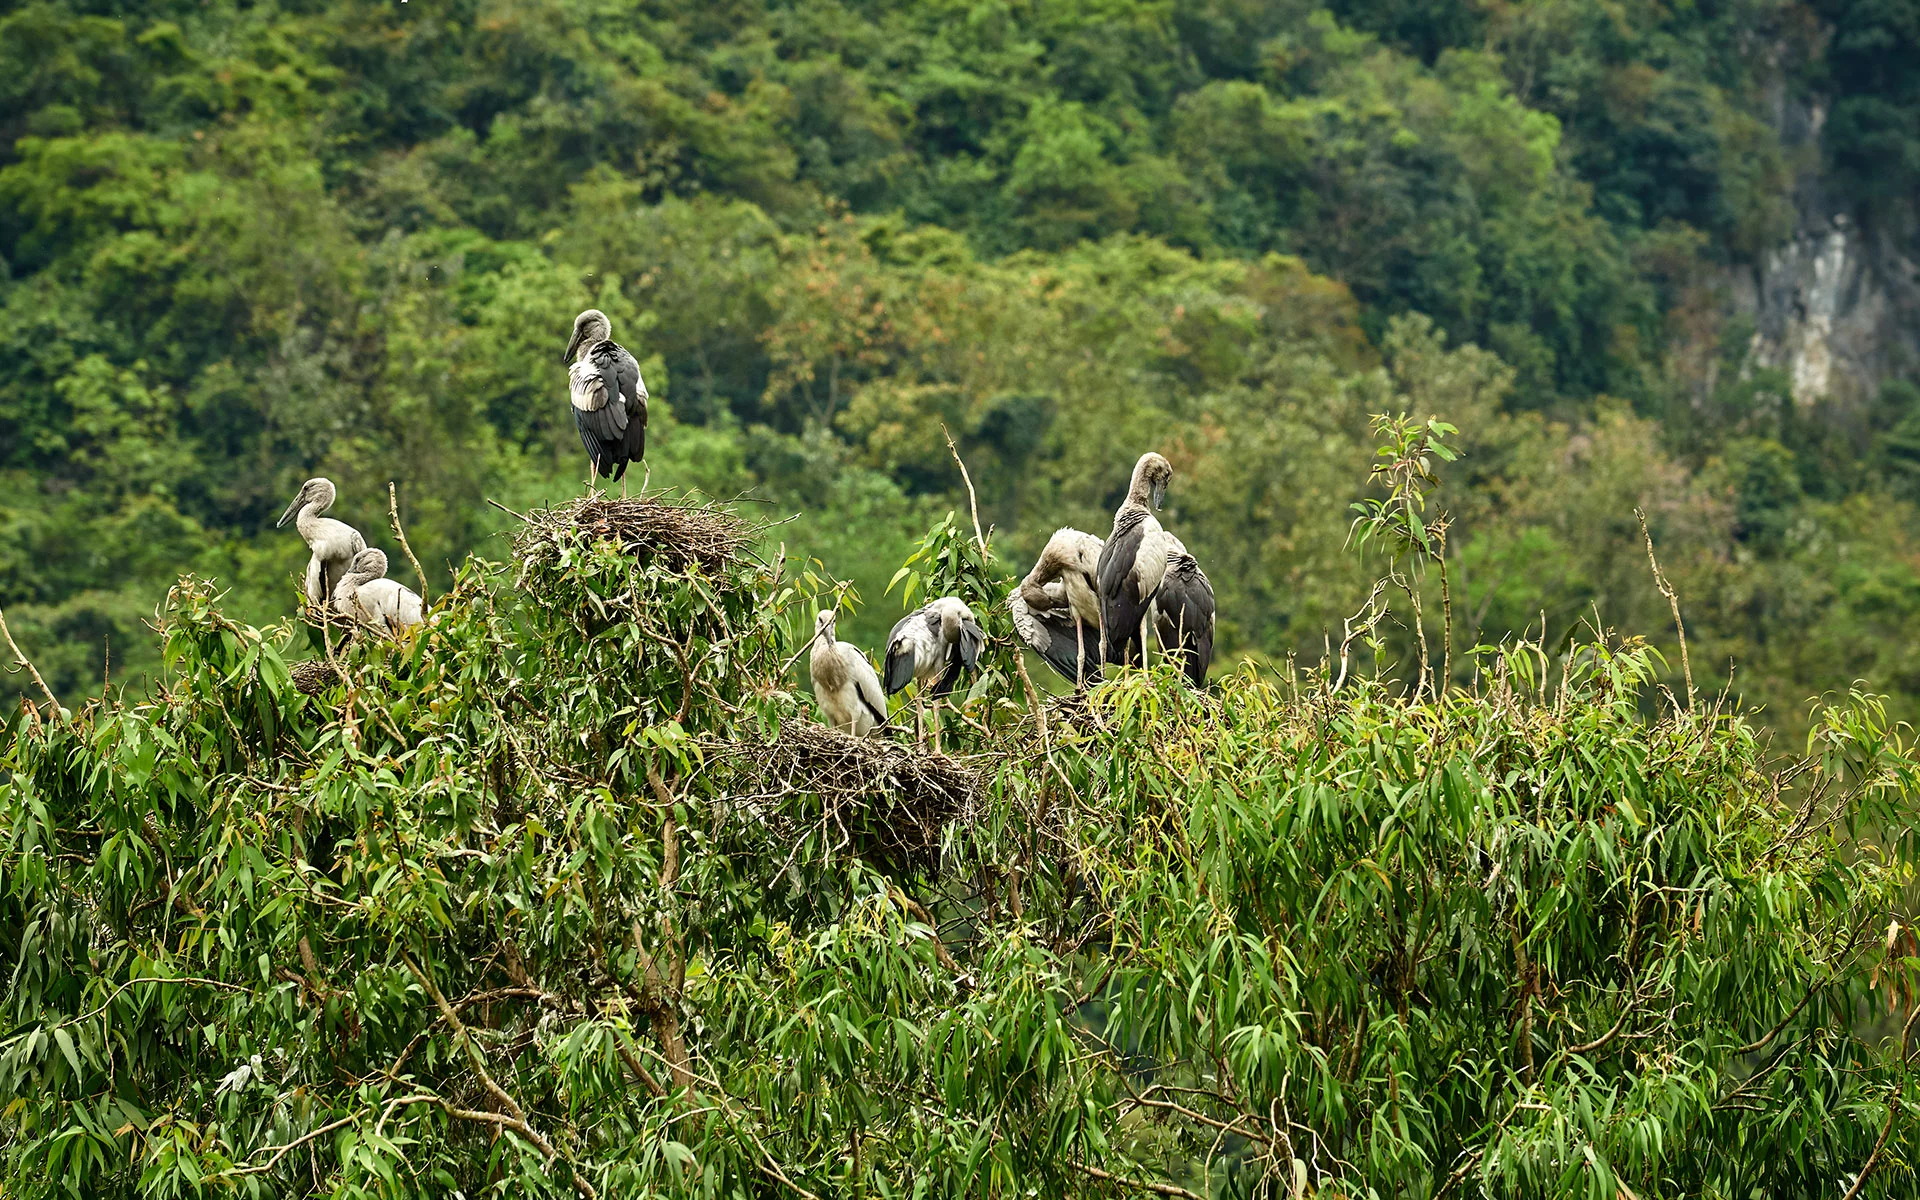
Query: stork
(844, 682)
(366, 595)
(1056, 608)
(609, 398)
(333, 543)
(1133, 563)
(932, 646)
(1183, 613)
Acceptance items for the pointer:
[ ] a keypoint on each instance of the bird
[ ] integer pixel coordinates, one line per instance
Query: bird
(1183, 614)
(366, 595)
(1056, 608)
(609, 398)
(933, 645)
(844, 682)
(333, 543)
(1133, 563)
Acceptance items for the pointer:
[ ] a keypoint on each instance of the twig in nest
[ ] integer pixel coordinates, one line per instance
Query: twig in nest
(973, 503)
(393, 518)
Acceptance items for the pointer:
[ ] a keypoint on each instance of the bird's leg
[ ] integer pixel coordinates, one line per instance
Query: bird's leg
(919, 719)
(593, 474)
(1080, 658)
(936, 724)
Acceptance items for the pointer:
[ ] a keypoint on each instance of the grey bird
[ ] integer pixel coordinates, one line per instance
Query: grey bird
(1056, 608)
(366, 595)
(1183, 614)
(333, 543)
(608, 396)
(844, 682)
(933, 645)
(1133, 563)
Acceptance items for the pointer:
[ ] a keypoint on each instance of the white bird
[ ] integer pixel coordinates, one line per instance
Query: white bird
(1133, 563)
(933, 645)
(365, 594)
(333, 543)
(1183, 614)
(608, 396)
(844, 682)
(1056, 608)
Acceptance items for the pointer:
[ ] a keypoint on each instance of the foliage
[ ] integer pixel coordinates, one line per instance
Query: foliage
(517, 907)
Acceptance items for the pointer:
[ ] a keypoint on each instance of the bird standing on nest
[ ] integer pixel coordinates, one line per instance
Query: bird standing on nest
(333, 543)
(933, 645)
(844, 682)
(609, 398)
(1056, 608)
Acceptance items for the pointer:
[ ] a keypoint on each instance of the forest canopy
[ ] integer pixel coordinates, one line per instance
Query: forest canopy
(246, 244)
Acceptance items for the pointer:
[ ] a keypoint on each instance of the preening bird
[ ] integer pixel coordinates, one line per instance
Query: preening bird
(1133, 563)
(609, 397)
(844, 682)
(333, 543)
(366, 595)
(1183, 614)
(933, 645)
(1056, 608)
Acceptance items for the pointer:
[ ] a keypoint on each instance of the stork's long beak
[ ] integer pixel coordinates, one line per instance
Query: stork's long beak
(573, 343)
(286, 516)
(1160, 494)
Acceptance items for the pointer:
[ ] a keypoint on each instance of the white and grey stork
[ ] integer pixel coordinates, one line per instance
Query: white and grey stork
(1133, 563)
(1056, 608)
(332, 543)
(933, 646)
(366, 595)
(844, 682)
(1138, 563)
(609, 398)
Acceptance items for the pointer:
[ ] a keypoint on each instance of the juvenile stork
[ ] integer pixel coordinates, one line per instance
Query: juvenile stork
(933, 645)
(844, 682)
(366, 595)
(1056, 608)
(1183, 614)
(332, 543)
(1133, 563)
(609, 398)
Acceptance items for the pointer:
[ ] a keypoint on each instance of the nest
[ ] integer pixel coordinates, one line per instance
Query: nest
(890, 803)
(314, 677)
(650, 528)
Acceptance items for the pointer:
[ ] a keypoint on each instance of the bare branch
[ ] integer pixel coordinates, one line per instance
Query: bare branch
(1673, 602)
(21, 659)
(393, 517)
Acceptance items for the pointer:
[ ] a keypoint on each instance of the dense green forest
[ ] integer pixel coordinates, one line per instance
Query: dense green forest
(241, 244)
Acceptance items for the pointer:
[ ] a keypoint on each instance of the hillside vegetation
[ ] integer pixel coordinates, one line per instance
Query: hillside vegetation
(245, 244)
(568, 895)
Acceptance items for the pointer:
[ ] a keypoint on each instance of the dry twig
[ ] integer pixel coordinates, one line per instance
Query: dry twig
(1673, 602)
(393, 518)
(21, 660)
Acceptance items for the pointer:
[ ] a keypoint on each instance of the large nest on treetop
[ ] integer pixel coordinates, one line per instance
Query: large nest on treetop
(653, 529)
(890, 804)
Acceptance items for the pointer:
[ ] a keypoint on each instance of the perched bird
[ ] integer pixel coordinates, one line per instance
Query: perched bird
(1133, 562)
(844, 682)
(366, 595)
(609, 398)
(933, 645)
(333, 543)
(1183, 614)
(1056, 608)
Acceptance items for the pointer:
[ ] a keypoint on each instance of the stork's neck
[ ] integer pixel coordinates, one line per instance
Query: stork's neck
(307, 521)
(1139, 491)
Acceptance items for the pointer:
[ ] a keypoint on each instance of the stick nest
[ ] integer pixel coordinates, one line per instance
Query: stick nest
(651, 528)
(891, 804)
(314, 677)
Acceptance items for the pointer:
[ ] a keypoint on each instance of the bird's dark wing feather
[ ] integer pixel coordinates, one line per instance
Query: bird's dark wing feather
(899, 667)
(1057, 644)
(1185, 601)
(972, 637)
(1121, 612)
(600, 451)
(633, 395)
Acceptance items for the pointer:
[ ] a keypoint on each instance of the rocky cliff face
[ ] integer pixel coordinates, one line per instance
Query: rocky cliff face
(1836, 306)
